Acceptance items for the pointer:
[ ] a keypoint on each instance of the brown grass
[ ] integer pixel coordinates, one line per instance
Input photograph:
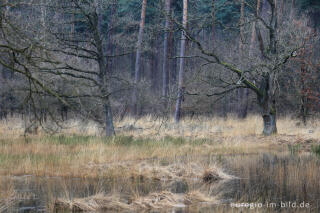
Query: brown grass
(76, 153)
(157, 200)
(148, 149)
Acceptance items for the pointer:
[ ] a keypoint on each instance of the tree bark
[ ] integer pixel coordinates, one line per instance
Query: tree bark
(103, 78)
(253, 35)
(165, 67)
(154, 76)
(173, 62)
(243, 93)
(138, 56)
(110, 42)
(172, 51)
(267, 104)
(181, 69)
(213, 23)
(241, 26)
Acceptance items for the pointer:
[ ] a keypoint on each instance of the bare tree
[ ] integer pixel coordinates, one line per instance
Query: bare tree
(181, 69)
(166, 67)
(138, 56)
(261, 77)
(47, 64)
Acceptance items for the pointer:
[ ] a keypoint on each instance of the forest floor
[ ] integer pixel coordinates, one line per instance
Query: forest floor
(154, 164)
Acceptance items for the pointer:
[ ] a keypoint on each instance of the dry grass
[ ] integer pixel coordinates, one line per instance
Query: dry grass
(150, 149)
(198, 127)
(159, 200)
(79, 149)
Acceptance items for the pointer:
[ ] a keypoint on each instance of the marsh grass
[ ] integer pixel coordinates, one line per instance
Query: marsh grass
(153, 155)
(69, 152)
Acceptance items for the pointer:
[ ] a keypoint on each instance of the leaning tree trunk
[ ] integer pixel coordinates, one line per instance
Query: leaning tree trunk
(267, 104)
(181, 69)
(138, 57)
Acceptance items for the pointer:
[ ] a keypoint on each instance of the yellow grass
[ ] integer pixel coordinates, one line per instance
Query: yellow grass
(152, 149)
(159, 200)
(73, 153)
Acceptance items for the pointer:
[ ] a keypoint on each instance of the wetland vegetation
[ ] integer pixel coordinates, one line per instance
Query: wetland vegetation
(199, 166)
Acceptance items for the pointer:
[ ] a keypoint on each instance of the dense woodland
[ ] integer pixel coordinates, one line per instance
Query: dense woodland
(103, 60)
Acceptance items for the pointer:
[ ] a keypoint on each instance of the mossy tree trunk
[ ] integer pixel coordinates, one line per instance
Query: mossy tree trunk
(267, 103)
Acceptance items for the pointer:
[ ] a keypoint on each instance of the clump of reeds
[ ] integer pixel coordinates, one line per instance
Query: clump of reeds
(156, 200)
(93, 203)
(178, 171)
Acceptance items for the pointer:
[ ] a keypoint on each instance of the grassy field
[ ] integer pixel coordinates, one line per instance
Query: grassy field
(153, 154)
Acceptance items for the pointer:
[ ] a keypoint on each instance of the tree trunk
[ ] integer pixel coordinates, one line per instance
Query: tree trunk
(110, 42)
(172, 51)
(243, 94)
(181, 69)
(269, 124)
(267, 104)
(43, 19)
(213, 23)
(103, 79)
(132, 61)
(108, 118)
(242, 108)
(138, 56)
(154, 76)
(253, 35)
(165, 67)
(173, 62)
(73, 25)
(292, 10)
(241, 26)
